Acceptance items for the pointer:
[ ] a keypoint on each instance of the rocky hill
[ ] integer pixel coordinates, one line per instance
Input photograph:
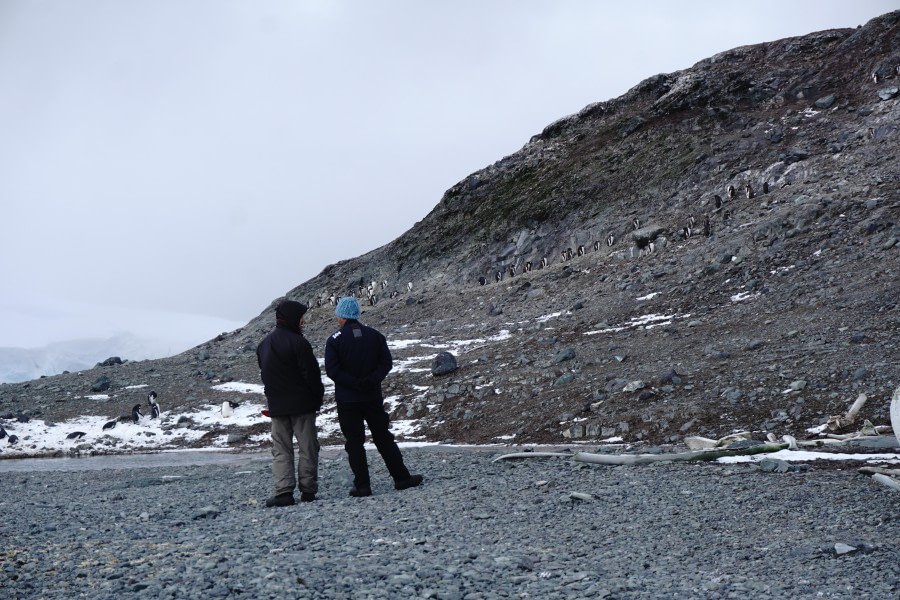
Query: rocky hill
(733, 230)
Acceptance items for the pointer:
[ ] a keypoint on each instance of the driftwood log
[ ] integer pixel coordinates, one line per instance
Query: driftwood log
(840, 422)
(703, 455)
(895, 413)
(886, 481)
(518, 455)
(881, 470)
(702, 443)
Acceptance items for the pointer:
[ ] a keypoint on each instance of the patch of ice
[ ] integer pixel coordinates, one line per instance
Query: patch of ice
(545, 318)
(240, 387)
(741, 296)
(803, 456)
(818, 428)
(649, 296)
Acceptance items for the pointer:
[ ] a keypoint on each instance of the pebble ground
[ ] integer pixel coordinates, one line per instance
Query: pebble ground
(476, 529)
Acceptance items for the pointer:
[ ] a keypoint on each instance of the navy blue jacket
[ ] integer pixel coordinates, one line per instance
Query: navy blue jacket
(290, 373)
(357, 359)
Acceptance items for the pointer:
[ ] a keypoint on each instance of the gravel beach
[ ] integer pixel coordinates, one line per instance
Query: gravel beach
(475, 529)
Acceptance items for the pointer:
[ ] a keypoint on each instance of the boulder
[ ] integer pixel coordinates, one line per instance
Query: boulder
(443, 364)
(101, 384)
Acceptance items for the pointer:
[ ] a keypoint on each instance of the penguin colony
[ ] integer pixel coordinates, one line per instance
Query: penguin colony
(690, 229)
(685, 232)
(133, 417)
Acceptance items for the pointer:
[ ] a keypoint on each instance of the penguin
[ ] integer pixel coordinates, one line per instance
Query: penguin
(499, 276)
(373, 300)
(482, 280)
(650, 248)
(384, 284)
(154, 407)
(596, 246)
(331, 299)
(2, 433)
(749, 191)
(543, 262)
(707, 231)
(75, 435)
(569, 254)
(409, 286)
(731, 192)
(765, 187)
(726, 216)
(110, 424)
(527, 268)
(685, 232)
(13, 439)
(318, 302)
(610, 239)
(581, 250)
(136, 413)
(636, 223)
(226, 409)
(870, 133)
(875, 77)
(512, 270)
(718, 200)
(691, 221)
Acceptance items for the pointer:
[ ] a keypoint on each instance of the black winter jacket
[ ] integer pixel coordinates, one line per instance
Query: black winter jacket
(357, 359)
(290, 373)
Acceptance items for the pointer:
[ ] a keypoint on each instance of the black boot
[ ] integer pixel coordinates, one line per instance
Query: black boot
(360, 491)
(281, 500)
(404, 484)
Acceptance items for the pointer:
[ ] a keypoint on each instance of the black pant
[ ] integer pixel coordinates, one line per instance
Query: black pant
(352, 417)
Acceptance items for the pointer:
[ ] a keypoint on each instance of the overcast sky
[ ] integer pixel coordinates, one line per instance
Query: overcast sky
(202, 157)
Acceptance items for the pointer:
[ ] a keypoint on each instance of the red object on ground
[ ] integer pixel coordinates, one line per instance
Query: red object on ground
(265, 412)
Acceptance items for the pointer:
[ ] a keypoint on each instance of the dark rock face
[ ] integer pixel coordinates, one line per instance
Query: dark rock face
(715, 301)
(110, 362)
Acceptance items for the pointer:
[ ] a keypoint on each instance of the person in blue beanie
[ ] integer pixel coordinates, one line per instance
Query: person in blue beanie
(294, 393)
(357, 359)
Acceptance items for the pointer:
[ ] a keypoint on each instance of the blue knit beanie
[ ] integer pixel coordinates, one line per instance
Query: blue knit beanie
(348, 308)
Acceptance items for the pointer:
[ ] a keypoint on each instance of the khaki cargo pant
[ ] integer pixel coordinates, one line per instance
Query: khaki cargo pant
(284, 430)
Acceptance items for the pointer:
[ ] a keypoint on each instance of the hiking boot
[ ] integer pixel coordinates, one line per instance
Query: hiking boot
(360, 491)
(307, 497)
(413, 481)
(281, 500)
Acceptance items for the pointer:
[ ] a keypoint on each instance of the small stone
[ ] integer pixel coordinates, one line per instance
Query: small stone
(825, 101)
(565, 379)
(840, 549)
(798, 385)
(774, 465)
(564, 355)
(633, 386)
(888, 93)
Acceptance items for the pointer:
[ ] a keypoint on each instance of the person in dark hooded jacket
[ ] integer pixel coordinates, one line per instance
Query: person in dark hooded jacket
(294, 392)
(357, 359)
